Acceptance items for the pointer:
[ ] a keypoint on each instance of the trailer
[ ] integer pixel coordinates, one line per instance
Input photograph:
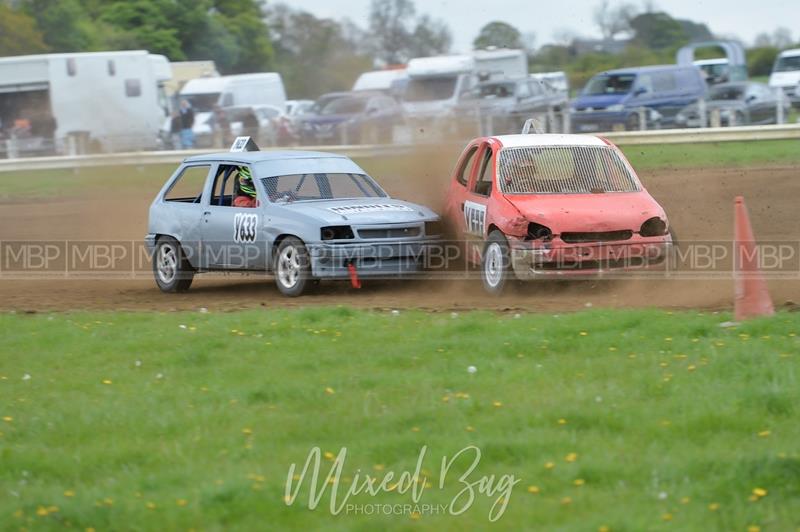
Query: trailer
(74, 103)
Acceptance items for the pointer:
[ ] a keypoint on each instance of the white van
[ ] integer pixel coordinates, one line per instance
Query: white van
(112, 101)
(786, 75)
(229, 91)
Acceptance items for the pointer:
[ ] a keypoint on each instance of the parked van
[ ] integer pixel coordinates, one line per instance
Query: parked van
(229, 91)
(612, 100)
(786, 75)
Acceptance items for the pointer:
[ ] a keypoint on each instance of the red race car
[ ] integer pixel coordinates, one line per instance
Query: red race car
(531, 206)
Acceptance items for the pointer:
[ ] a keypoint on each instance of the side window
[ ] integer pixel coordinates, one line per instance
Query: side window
(523, 91)
(645, 82)
(226, 185)
(133, 88)
(462, 176)
(188, 187)
(535, 88)
(483, 185)
(664, 82)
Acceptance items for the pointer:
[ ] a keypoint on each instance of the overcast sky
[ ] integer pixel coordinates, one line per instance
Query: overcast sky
(742, 18)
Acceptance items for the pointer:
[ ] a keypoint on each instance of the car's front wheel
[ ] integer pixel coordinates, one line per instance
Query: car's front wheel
(292, 267)
(496, 264)
(171, 268)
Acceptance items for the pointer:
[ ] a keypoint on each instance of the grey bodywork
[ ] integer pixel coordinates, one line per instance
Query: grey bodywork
(524, 99)
(207, 232)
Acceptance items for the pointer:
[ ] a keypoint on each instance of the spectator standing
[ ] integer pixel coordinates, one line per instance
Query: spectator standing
(187, 122)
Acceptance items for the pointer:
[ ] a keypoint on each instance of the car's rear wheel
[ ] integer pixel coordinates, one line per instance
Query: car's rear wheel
(496, 263)
(292, 267)
(171, 268)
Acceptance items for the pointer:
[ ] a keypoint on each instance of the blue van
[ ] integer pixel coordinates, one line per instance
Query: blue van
(611, 100)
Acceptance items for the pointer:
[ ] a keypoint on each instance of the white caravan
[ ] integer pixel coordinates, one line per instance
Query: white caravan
(108, 101)
(436, 84)
(229, 91)
(388, 81)
(500, 63)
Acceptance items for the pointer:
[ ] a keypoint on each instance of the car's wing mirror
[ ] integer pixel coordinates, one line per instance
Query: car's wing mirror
(640, 91)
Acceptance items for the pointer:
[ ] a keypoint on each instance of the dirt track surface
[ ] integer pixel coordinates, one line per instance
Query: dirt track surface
(699, 203)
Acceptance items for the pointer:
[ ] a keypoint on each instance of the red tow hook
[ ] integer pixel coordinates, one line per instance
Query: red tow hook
(354, 280)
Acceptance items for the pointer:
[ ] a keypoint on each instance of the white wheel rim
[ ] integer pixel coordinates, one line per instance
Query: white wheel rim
(493, 265)
(167, 263)
(288, 267)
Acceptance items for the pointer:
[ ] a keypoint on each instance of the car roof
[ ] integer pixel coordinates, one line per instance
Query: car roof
(250, 157)
(653, 68)
(519, 141)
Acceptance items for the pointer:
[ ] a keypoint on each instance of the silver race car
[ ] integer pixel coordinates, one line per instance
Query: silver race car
(301, 215)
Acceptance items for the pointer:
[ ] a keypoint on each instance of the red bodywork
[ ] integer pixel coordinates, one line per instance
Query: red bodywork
(584, 213)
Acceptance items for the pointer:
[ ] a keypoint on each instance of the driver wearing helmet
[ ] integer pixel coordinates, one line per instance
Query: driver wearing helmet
(246, 191)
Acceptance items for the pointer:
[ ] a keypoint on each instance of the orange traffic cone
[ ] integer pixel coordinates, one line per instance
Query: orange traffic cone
(751, 294)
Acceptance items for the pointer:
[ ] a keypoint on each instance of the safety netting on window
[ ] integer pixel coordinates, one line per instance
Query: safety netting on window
(563, 170)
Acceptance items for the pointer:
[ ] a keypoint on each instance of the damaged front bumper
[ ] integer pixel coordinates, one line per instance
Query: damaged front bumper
(556, 258)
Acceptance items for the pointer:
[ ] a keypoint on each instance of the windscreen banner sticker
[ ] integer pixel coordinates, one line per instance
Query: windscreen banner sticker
(245, 227)
(475, 218)
(375, 207)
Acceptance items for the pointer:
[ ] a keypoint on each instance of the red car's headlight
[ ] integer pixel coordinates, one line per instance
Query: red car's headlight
(654, 226)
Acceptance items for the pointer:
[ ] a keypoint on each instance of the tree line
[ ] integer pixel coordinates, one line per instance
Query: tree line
(316, 55)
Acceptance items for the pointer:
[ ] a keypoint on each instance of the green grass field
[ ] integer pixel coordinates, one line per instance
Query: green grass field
(435, 164)
(646, 420)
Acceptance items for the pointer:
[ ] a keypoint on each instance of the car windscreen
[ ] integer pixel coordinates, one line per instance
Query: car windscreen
(497, 90)
(345, 106)
(726, 93)
(610, 84)
(787, 63)
(321, 186)
(426, 90)
(563, 170)
(202, 103)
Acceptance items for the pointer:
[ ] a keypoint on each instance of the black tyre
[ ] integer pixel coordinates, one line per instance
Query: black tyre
(171, 268)
(496, 263)
(292, 267)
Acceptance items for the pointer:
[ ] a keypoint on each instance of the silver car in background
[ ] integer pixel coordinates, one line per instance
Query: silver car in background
(316, 216)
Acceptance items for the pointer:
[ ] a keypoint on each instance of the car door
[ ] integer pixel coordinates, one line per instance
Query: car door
(233, 237)
(457, 193)
(185, 194)
(479, 190)
(762, 105)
